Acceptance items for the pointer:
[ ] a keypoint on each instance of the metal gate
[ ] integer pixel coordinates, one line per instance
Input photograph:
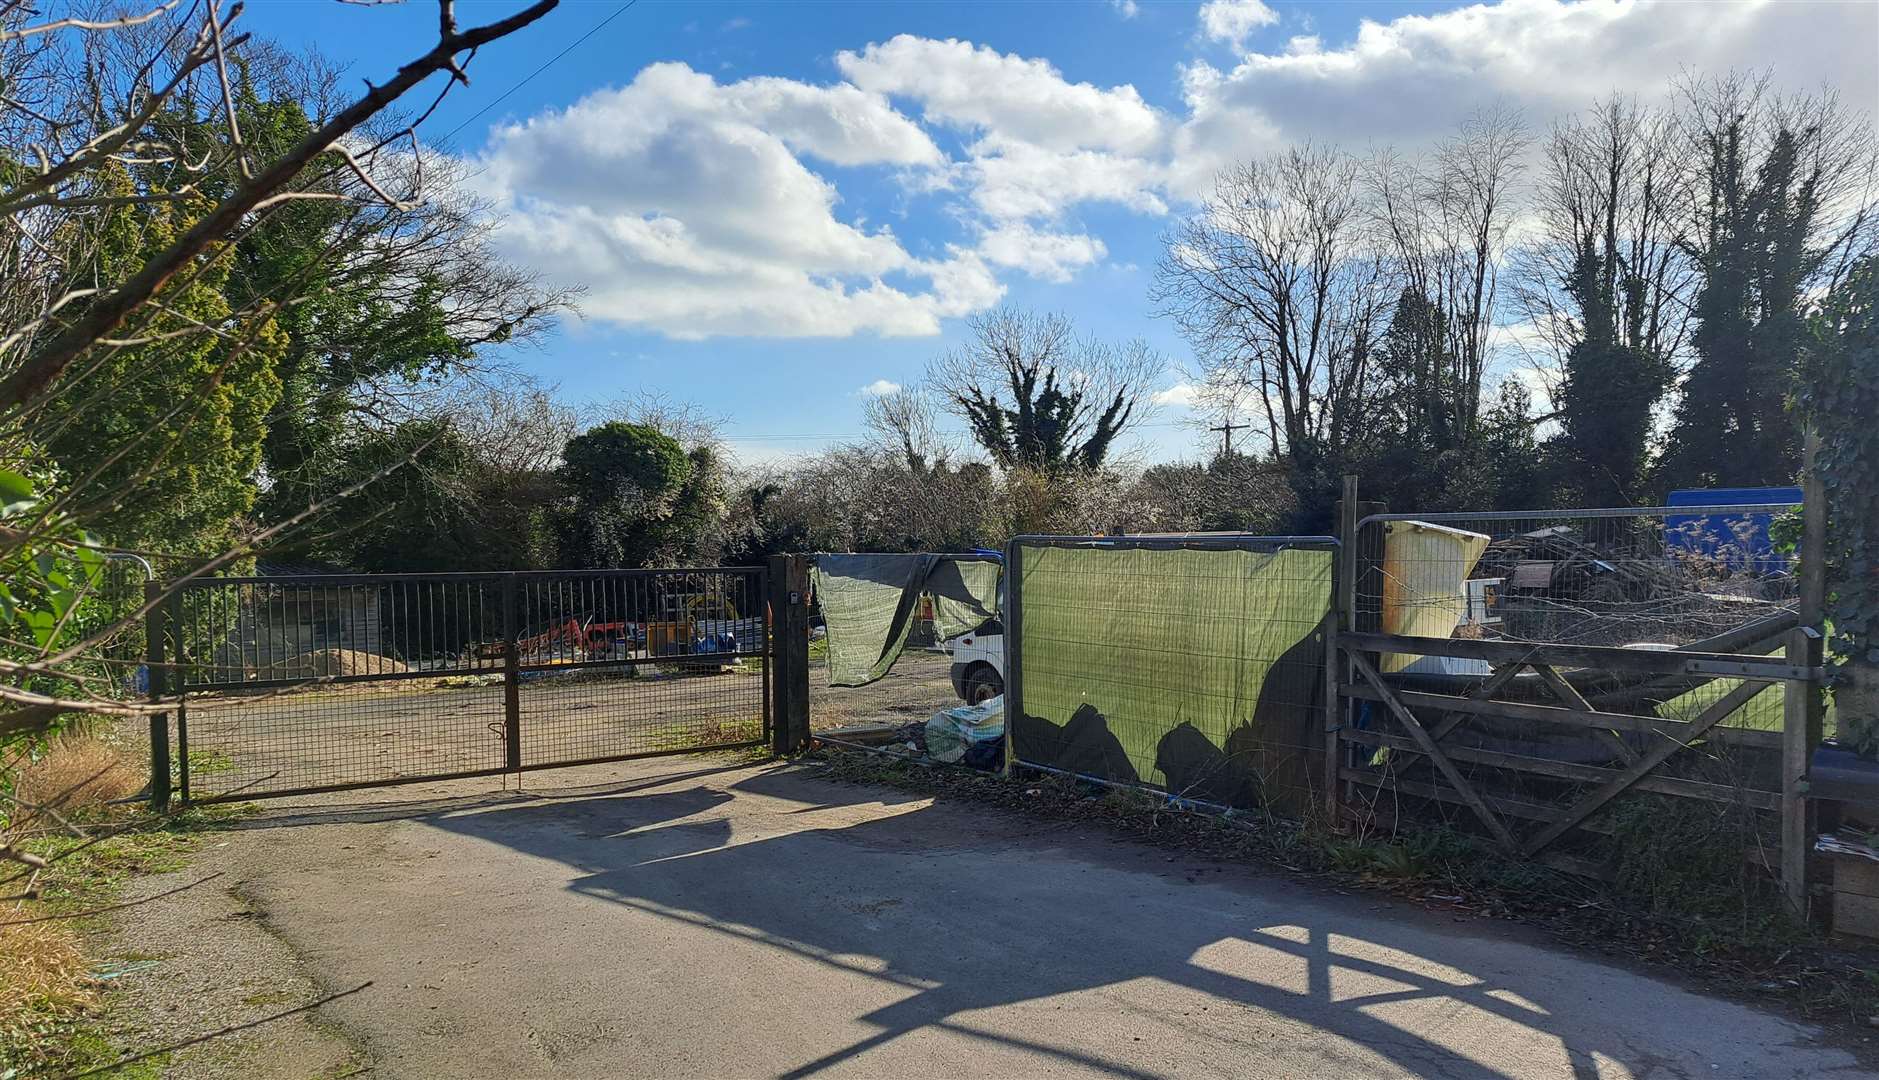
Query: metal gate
(300, 683)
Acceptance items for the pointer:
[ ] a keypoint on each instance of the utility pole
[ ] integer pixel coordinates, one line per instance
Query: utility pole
(1226, 428)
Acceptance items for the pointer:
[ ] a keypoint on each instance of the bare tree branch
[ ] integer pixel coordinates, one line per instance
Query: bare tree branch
(37, 372)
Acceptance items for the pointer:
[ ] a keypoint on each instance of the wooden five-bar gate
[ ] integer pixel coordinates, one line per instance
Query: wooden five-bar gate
(1531, 730)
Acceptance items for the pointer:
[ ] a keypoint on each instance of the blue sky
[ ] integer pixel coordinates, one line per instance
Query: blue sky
(774, 206)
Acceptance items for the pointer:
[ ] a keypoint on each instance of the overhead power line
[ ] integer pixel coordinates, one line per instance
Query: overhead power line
(500, 98)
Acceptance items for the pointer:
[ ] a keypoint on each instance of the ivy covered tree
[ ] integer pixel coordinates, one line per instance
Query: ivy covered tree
(1781, 208)
(1037, 398)
(1606, 285)
(165, 433)
(1613, 381)
(1841, 399)
(636, 497)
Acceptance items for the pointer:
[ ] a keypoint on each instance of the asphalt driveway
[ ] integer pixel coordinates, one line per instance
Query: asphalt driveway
(671, 919)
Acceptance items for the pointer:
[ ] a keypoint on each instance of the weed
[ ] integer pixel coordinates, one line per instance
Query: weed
(723, 731)
(51, 1009)
(208, 762)
(83, 771)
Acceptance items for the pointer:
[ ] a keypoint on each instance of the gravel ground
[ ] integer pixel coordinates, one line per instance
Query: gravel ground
(206, 960)
(919, 686)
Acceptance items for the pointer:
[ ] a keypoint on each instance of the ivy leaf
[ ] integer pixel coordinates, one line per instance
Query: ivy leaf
(14, 487)
(39, 624)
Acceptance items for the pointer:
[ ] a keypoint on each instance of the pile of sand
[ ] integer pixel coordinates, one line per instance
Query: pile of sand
(322, 662)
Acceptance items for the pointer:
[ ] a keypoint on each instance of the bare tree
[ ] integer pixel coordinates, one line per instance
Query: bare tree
(520, 428)
(69, 182)
(1036, 396)
(903, 422)
(693, 427)
(1445, 220)
(86, 100)
(1276, 284)
(1612, 199)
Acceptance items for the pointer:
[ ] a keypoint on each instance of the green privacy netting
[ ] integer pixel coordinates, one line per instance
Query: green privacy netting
(868, 604)
(1197, 670)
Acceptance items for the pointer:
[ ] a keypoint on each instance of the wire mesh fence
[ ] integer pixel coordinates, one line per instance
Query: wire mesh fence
(626, 663)
(110, 621)
(302, 683)
(1560, 742)
(1666, 576)
(1190, 664)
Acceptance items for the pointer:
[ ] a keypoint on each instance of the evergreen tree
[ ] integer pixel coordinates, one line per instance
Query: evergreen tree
(1613, 382)
(167, 431)
(1735, 424)
(636, 498)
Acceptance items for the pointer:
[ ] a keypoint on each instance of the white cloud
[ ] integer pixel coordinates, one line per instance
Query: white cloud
(694, 207)
(1229, 21)
(681, 206)
(1410, 80)
(1023, 180)
(879, 388)
(1128, 9)
(1047, 255)
(974, 87)
(1181, 395)
(1039, 144)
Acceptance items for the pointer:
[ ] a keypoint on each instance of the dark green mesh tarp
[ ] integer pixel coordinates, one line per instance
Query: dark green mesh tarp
(1199, 671)
(869, 603)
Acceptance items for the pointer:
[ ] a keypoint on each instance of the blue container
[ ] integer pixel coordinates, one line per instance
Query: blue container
(1736, 541)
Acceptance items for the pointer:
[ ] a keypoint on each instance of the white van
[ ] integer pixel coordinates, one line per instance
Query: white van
(979, 662)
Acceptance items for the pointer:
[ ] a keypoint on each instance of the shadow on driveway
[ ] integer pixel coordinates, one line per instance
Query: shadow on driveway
(1095, 955)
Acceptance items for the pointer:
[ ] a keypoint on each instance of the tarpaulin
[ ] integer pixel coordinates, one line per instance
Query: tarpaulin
(1192, 669)
(869, 602)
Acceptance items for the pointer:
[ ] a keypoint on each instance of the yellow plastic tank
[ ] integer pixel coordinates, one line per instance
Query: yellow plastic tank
(1424, 566)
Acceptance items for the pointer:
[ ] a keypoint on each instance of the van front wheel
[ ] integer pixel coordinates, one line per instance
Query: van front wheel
(982, 685)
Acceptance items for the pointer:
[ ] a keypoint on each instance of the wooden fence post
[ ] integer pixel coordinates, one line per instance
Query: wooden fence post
(789, 653)
(1343, 601)
(1801, 700)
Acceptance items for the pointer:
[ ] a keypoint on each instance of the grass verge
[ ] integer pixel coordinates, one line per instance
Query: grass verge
(55, 998)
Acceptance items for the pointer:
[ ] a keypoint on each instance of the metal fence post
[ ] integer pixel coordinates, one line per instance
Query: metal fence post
(789, 653)
(511, 678)
(1014, 660)
(155, 681)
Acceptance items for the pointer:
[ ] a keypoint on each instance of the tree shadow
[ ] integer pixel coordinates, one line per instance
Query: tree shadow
(420, 803)
(969, 910)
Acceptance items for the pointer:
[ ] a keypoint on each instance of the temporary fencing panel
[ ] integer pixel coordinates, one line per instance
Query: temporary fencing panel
(1192, 664)
(868, 605)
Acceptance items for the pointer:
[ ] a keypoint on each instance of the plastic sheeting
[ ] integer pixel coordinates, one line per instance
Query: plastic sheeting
(1199, 670)
(869, 602)
(952, 733)
(1424, 566)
